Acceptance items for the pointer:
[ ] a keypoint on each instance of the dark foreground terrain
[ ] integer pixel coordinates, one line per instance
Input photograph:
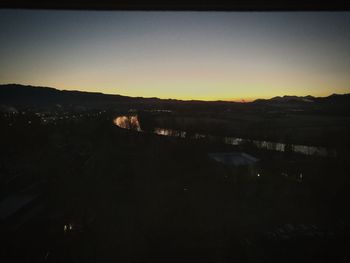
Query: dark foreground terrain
(74, 187)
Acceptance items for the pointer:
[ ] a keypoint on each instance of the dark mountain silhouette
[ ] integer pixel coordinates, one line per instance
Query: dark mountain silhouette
(293, 99)
(31, 96)
(42, 97)
(287, 99)
(17, 95)
(334, 98)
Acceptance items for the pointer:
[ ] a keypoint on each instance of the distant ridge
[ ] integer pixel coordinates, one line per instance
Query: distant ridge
(15, 94)
(37, 96)
(306, 99)
(14, 90)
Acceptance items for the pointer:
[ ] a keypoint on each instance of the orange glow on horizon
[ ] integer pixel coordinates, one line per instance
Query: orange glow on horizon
(172, 92)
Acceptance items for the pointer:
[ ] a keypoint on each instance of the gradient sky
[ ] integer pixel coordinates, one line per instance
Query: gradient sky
(181, 55)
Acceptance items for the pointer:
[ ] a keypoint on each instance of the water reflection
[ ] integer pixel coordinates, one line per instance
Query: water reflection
(132, 123)
(170, 132)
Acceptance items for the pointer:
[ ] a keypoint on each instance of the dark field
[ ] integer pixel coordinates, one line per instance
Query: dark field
(282, 124)
(109, 194)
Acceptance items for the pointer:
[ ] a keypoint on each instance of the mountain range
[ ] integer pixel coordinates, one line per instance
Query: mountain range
(32, 96)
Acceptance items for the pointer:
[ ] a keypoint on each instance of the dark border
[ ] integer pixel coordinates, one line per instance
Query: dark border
(190, 5)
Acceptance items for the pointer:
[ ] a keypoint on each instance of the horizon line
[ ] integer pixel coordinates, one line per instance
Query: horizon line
(236, 100)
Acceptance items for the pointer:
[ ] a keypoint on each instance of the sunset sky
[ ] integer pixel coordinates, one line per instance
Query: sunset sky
(180, 55)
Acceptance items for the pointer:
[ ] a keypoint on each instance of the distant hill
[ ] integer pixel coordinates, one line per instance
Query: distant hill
(31, 96)
(293, 99)
(334, 98)
(22, 96)
(25, 96)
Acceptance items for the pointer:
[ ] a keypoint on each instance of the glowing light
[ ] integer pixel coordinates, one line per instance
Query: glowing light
(128, 122)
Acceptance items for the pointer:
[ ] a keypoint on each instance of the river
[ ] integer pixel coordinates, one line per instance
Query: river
(131, 122)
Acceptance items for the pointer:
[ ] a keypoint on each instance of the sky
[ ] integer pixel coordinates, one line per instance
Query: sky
(181, 55)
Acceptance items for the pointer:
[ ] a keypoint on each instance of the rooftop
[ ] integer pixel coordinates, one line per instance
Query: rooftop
(234, 158)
